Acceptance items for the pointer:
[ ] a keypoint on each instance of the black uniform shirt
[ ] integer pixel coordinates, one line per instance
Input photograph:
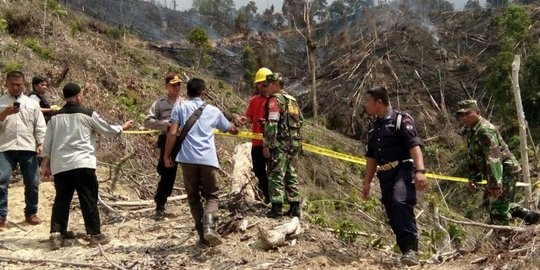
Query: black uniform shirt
(386, 143)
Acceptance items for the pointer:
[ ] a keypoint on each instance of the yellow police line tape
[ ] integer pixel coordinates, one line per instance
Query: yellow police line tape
(330, 153)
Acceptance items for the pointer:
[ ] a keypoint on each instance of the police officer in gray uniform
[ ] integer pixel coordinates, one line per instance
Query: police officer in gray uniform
(158, 118)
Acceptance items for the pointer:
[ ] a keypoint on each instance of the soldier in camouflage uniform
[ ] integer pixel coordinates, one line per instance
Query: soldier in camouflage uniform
(281, 145)
(490, 157)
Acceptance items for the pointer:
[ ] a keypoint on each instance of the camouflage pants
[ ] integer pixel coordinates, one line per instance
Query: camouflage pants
(282, 176)
(500, 209)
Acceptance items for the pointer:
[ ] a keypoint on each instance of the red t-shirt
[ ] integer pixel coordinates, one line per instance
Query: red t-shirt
(255, 112)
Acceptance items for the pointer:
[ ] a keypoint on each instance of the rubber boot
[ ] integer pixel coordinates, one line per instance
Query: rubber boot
(529, 216)
(209, 234)
(295, 210)
(276, 211)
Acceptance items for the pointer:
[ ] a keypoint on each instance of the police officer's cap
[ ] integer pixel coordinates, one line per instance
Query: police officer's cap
(467, 105)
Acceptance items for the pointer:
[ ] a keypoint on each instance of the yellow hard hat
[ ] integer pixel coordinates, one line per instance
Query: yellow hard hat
(261, 74)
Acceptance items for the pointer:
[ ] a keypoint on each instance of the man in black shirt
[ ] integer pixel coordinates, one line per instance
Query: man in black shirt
(393, 152)
(39, 87)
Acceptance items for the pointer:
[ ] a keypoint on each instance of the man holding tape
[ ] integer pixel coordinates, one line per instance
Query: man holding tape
(490, 157)
(159, 118)
(393, 152)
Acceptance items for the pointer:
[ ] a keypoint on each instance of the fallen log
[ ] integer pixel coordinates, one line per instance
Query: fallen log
(52, 261)
(478, 224)
(277, 236)
(145, 202)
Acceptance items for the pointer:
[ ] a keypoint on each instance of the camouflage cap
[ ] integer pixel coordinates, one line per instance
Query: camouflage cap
(467, 105)
(274, 77)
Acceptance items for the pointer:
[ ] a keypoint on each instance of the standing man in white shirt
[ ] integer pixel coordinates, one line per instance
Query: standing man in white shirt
(22, 130)
(69, 154)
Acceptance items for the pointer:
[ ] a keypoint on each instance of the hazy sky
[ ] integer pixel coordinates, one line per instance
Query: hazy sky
(263, 4)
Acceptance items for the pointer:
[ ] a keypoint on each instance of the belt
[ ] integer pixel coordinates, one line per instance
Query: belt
(391, 165)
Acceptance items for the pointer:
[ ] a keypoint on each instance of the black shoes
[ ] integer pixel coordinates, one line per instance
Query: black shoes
(160, 213)
(409, 258)
(276, 211)
(530, 217)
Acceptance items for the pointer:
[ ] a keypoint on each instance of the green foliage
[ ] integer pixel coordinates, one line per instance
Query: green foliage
(3, 25)
(116, 33)
(176, 69)
(77, 26)
(515, 23)
(348, 230)
(250, 66)
(10, 66)
(199, 39)
(456, 233)
(370, 205)
(432, 149)
(434, 236)
(43, 51)
(55, 7)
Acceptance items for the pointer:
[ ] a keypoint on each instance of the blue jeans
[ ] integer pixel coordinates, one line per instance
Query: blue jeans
(28, 162)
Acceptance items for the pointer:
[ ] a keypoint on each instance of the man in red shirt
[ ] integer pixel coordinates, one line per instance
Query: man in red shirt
(255, 115)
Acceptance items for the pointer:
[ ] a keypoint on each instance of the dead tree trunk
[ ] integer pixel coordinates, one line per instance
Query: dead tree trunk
(311, 46)
(522, 130)
(242, 175)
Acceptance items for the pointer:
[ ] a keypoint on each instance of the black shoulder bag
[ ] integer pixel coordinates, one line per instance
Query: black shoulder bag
(185, 129)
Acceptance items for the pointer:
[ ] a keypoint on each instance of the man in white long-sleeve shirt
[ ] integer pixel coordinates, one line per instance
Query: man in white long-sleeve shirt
(22, 129)
(69, 154)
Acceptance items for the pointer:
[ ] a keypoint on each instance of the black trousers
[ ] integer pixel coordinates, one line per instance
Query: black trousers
(84, 181)
(167, 175)
(399, 198)
(259, 168)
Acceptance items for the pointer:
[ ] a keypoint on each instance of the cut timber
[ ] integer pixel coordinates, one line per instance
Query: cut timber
(277, 236)
(146, 202)
(522, 130)
(477, 224)
(242, 173)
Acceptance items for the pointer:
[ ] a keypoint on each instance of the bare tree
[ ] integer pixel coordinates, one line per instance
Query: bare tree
(311, 46)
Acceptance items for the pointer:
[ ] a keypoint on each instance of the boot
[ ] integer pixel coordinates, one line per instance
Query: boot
(99, 239)
(159, 214)
(294, 210)
(409, 258)
(276, 211)
(529, 216)
(209, 234)
(55, 240)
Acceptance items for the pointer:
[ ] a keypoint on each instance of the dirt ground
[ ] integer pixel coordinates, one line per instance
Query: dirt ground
(139, 242)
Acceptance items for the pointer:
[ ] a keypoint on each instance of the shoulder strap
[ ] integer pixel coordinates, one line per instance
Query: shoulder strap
(398, 121)
(190, 122)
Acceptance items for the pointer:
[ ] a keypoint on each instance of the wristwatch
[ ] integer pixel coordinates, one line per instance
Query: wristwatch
(423, 171)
